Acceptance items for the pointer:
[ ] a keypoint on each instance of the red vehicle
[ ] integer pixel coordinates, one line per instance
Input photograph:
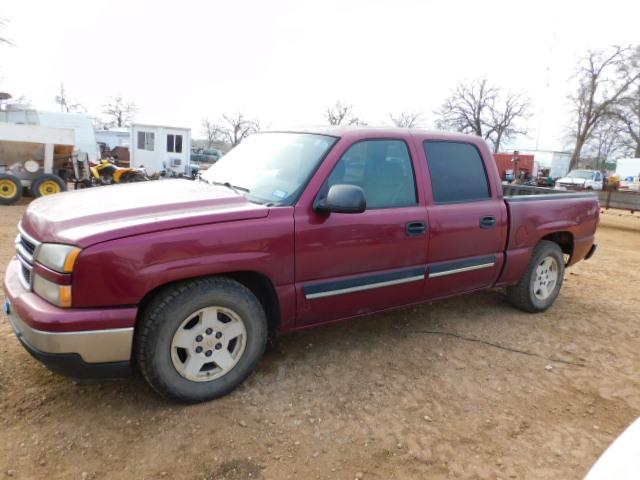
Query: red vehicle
(185, 279)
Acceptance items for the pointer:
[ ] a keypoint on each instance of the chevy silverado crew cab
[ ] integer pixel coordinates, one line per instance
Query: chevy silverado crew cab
(186, 279)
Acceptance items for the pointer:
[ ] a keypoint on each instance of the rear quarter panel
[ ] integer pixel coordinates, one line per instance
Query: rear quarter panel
(532, 219)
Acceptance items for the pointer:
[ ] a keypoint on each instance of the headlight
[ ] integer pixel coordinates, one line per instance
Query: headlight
(59, 295)
(58, 257)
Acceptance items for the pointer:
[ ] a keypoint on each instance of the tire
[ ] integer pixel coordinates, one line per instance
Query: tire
(132, 178)
(10, 189)
(47, 184)
(183, 314)
(530, 295)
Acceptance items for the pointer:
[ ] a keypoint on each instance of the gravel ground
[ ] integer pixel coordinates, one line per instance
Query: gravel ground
(463, 388)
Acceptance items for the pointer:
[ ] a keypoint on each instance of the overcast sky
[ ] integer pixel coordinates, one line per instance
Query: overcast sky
(285, 61)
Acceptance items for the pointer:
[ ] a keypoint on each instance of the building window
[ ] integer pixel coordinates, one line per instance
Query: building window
(146, 141)
(174, 143)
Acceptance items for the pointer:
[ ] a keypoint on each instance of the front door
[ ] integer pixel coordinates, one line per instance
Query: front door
(352, 264)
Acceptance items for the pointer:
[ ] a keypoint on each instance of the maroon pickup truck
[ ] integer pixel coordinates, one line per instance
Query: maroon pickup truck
(186, 279)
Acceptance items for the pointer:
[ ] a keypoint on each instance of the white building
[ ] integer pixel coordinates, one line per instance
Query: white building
(158, 148)
(628, 167)
(85, 139)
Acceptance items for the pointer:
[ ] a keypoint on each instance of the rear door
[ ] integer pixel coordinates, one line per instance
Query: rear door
(351, 264)
(467, 219)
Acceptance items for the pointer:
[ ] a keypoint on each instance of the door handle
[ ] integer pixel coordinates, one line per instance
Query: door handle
(415, 229)
(487, 222)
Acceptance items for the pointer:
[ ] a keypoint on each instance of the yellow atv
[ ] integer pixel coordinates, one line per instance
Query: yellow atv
(107, 173)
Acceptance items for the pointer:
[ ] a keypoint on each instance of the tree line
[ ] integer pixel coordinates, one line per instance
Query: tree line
(604, 120)
(604, 107)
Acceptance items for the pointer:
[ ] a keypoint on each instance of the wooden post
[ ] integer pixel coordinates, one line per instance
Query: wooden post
(48, 158)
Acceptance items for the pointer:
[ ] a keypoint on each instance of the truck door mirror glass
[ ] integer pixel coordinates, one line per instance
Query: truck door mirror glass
(343, 199)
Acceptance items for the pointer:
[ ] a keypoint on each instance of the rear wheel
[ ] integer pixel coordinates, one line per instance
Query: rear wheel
(10, 189)
(200, 339)
(541, 283)
(47, 184)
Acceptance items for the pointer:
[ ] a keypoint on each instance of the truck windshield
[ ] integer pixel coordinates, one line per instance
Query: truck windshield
(584, 174)
(271, 167)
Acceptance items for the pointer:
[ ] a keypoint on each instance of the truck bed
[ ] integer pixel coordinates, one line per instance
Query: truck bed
(537, 212)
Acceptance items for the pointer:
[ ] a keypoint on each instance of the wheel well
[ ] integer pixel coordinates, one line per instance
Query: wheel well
(259, 284)
(563, 239)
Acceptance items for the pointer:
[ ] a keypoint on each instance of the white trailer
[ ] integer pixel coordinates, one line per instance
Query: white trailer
(85, 139)
(160, 149)
(35, 157)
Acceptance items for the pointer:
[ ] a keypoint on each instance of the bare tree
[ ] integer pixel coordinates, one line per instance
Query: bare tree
(482, 109)
(341, 114)
(61, 99)
(606, 142)
(627, 112)
(407, 119)
(213, 131)
(120, 113)
(65, 104)
(504, 118)
(3, 25)
(604, 77)
(236, 128)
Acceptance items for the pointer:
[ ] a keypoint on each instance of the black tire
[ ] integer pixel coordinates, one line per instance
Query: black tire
(164, 316)
(47, 184)
(10, 189)
(522, 295)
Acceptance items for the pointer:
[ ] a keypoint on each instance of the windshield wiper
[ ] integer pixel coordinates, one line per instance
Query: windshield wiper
(235, 188)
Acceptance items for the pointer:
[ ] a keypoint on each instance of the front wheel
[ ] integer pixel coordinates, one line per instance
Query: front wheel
(200, 339)
(541, 283)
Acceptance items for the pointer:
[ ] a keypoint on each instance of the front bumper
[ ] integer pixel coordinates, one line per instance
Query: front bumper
(52, 336)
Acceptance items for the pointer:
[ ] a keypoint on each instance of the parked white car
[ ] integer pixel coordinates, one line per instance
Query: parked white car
(580, 180)
(621, 461)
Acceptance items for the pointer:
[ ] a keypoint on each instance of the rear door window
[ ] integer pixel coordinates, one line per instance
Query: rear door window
(457, 172)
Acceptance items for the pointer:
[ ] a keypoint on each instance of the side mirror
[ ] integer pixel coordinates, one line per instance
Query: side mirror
(343, 199)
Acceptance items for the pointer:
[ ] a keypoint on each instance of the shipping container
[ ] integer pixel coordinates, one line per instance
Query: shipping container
(505, 161)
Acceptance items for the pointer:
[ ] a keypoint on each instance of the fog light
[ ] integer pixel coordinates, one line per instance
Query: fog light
(59, 295)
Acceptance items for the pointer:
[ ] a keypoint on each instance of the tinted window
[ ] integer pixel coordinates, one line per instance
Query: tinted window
(174, 143)
(382, 168)
(457, 172)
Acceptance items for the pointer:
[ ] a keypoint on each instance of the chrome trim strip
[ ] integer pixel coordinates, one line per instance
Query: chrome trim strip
(460, 270)
(94, 346)
(360, 288)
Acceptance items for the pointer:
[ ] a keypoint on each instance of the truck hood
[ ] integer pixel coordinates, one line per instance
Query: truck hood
(85, 217)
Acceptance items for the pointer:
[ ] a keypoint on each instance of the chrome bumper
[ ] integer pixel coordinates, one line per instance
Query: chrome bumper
(94, 346)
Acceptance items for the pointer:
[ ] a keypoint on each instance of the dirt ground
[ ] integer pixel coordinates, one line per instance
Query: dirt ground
(376, 398)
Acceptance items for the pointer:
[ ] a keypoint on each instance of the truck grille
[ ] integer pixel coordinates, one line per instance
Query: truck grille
(26, 248)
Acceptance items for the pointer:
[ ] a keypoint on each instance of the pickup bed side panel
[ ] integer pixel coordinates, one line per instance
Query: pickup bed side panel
(121, 272)
(533, 218)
